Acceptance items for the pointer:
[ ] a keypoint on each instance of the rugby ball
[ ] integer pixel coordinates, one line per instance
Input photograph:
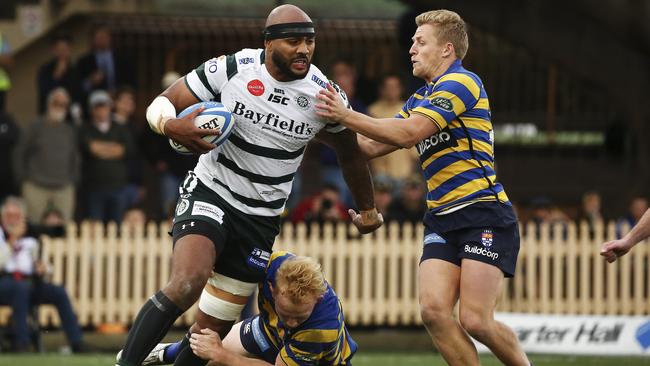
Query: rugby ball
(215, 115)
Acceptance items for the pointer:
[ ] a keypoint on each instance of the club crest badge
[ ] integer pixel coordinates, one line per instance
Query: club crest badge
(182, 206)
(487, 238)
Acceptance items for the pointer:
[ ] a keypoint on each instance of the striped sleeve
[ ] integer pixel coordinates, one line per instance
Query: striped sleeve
(452, 95)
(208, 79)
(404, 112)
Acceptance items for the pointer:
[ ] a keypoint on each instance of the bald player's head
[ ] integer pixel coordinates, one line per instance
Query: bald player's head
(289, 40)
(286, 14)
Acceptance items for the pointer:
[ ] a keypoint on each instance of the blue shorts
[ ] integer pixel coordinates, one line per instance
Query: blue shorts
(486, 231)
(255, 341)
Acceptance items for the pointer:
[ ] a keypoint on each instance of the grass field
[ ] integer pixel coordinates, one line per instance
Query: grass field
(374, 359)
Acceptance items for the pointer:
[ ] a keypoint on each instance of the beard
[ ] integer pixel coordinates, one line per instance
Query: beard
(284, 65)
(56, 116)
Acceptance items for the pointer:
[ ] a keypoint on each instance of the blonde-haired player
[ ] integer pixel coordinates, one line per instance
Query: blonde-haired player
(471, 237)
(300, 323)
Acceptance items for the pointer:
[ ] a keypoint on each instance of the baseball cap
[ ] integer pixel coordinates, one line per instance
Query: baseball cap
(99, 97)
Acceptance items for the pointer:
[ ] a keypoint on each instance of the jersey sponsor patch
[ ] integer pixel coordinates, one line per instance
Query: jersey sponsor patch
(442, 103)
(473, 249)
(209, 210)
(261, 341)
(436, 142)
(213, 66)
(182, 206)
(259, 259)
(434, 238)
(246, 60)
(303, 102)
(255, 87)
(319, 82)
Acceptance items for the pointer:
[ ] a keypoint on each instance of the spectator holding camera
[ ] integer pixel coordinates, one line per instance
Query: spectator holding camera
(322, 207)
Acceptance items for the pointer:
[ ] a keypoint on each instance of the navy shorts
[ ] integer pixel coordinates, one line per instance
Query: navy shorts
(243, 242)
(487, 232)
(255, 341)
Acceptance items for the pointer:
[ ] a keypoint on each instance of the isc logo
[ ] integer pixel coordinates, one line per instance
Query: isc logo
(278, 99)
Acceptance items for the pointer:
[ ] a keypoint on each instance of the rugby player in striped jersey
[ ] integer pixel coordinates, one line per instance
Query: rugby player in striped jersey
(471, 237)
(228, 213)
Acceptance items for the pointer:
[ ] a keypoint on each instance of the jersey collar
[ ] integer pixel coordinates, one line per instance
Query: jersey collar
(458, 64)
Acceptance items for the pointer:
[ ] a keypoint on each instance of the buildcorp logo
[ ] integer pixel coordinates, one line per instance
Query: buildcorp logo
(481, 251)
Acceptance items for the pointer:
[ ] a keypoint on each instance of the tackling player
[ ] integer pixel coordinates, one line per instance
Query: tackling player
(300, 323)
(228, 212)
(471, 237)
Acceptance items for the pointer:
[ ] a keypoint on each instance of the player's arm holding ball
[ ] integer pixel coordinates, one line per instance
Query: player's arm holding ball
(161, 115)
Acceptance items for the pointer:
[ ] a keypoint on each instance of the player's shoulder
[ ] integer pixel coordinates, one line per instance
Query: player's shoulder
(420, 93)
(460, 76)
(321, 80)
(247, 59)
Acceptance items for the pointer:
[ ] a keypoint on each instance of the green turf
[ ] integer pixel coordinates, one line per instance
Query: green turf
(374, 359)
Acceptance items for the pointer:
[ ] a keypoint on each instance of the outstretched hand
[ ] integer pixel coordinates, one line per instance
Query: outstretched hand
(183, 131)
(366, 221)
(331, 105)
(614, 249)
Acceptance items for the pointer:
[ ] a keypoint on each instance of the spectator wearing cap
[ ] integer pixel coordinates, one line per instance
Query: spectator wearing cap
(47, 161)
(409, 206)
(105, 148)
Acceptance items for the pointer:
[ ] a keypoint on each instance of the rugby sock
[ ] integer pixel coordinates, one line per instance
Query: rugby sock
(153, 321)
(172, 351)
(186, 357)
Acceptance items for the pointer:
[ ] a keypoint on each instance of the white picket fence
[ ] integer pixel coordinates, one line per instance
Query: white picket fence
(109, 277)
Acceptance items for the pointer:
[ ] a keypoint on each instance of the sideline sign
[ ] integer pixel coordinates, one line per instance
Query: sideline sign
(577, 334)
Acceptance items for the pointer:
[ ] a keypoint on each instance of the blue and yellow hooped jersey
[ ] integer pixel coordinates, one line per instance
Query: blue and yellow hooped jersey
(321, 340)
(457, 161)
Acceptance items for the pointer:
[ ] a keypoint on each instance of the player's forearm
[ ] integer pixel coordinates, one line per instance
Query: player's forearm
(357, 177)
(373, 149)
(641, 230)
(390, 131)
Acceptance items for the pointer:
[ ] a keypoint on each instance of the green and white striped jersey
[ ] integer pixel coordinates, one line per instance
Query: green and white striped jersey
(274, 121)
